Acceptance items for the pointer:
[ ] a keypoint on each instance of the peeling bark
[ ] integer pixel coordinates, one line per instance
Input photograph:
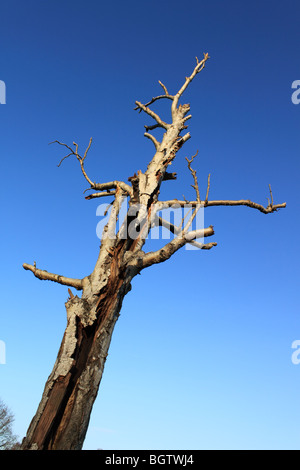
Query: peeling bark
(62, 418)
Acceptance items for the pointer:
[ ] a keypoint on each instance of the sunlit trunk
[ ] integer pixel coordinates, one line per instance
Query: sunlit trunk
(62, 418)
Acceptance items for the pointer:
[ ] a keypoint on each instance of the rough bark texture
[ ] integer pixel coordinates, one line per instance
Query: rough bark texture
(62, 418)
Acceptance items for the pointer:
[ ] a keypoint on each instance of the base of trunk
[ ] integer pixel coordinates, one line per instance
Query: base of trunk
(62, 418)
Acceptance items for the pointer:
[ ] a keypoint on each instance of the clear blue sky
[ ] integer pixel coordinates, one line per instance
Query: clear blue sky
(201, 354)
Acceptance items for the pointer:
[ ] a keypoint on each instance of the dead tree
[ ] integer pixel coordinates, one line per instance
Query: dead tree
(62, 417)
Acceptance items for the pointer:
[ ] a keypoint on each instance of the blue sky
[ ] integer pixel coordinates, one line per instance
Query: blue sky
(201, 354)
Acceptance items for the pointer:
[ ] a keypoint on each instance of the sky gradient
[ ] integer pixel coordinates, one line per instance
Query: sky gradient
(201, 354)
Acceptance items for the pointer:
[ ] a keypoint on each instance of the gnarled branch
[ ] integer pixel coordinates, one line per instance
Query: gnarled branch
(159, 97)
(242, 202)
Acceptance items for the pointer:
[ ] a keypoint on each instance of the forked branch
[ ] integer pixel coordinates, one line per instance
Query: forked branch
(194, 174)
(159, 97)
(100, 186)
(79, 157)
(174, 245)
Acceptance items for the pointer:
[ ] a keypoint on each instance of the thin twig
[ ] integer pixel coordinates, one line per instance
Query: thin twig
(196, 186)
(183, 219)
(208, 187)
(200, 66)
(79, 158)
(164, 88)
(170, 97)
(159, 97)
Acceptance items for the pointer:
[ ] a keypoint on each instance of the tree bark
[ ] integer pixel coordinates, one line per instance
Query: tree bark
(62, 418)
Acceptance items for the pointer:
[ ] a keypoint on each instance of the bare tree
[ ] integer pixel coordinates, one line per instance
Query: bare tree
(62, 417)
(8, 441)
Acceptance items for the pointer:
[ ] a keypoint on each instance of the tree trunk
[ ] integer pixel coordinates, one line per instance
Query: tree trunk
(62, 418)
